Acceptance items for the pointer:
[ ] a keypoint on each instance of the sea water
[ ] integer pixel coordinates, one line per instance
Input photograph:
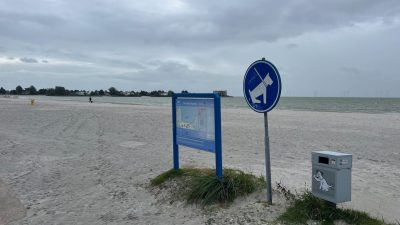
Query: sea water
(322, 104)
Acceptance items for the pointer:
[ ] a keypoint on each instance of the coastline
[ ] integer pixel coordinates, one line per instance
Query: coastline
(314, 104)
(70, 161)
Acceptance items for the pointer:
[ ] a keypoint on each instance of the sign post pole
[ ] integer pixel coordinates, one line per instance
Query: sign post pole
(175, 146)
(267, 161)
(218, 141)
(262, 90)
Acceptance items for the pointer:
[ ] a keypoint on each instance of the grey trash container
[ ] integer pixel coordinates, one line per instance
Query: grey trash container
(331, 176)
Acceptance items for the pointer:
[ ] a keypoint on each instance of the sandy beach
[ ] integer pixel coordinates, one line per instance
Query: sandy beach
(81, 163)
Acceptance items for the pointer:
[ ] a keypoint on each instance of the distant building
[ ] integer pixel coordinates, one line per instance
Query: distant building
(222, 93)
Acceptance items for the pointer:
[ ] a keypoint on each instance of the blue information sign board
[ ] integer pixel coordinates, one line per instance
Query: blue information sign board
(196, 120)
(195, 123)
(262, 86)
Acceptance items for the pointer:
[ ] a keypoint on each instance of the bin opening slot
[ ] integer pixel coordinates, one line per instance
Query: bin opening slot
(323, 160)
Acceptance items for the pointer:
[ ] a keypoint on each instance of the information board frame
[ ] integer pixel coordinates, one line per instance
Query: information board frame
(217, 126)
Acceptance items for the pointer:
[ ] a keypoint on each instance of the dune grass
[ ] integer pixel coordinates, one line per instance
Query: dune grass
(166, 176)
(306, 207)
(203, 187)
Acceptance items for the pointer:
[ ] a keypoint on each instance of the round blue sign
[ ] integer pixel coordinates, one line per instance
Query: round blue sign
(262, 86)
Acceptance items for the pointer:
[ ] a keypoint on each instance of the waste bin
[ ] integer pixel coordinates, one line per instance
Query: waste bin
(331, 176)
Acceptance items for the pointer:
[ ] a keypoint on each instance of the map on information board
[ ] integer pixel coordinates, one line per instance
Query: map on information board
(195, 123)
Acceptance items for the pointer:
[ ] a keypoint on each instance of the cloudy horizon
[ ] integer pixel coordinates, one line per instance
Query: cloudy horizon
(321, 48)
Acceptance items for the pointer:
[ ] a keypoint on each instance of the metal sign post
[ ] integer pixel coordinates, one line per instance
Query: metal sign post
(262, 90)
(267, 160)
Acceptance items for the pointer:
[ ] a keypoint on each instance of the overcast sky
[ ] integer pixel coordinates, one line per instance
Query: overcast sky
(321, 48)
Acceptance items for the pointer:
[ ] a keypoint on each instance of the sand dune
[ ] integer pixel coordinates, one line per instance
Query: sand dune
(80, 163)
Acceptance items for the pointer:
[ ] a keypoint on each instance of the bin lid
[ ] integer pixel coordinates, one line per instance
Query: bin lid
(332, 153)
(336, 160)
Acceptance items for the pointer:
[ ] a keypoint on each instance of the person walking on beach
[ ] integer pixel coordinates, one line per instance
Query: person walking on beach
(90, 99)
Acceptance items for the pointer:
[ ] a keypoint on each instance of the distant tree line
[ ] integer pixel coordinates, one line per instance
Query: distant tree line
(61, 91)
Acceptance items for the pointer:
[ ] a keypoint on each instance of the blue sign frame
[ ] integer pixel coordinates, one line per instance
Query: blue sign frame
(196, 140)
(262, 86)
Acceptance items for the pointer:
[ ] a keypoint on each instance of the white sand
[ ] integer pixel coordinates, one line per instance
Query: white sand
(11, 208)
(80, 163)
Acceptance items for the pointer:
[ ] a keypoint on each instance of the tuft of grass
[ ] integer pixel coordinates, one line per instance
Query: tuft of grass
(166, 176)
(306, 207)
(205, 188)
(172, 173)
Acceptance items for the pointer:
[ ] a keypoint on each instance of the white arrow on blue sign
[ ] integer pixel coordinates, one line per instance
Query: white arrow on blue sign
(262, 86)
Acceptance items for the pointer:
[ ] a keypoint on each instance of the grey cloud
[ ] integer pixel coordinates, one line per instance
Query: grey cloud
(28, 60)
(351, 70)
(208, 22)
(38, 27)
(120, 63)
(163, 72)
(291, 45)
(144, 46)
(175, 76)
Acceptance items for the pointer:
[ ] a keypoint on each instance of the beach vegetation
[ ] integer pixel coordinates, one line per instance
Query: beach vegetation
(3, 91)
(31, 90)
(170, 93)
(203, 187)
(19, 90)
(42, 91)
(170, 174)
(305, 206)
(113, 91)
(62, 91)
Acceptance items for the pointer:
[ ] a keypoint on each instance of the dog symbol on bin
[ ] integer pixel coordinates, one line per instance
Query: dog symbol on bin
(261, 89)
(323, 185)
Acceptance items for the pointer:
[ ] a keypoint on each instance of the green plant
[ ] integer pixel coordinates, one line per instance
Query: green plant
(165, 176)
(306, 207)
(205, 188)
